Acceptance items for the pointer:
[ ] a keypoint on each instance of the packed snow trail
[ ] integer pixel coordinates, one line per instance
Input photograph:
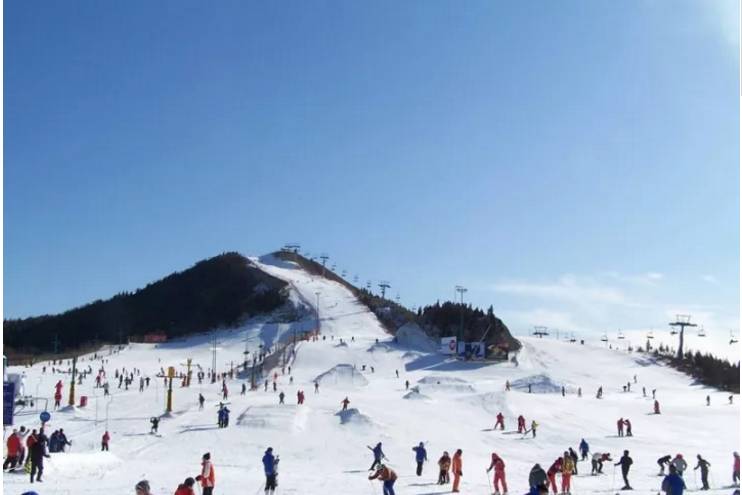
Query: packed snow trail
(323, 452)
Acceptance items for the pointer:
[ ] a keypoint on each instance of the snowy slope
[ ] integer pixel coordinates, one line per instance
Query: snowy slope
(323, 452)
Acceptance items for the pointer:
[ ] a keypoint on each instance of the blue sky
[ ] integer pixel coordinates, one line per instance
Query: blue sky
(575, 164)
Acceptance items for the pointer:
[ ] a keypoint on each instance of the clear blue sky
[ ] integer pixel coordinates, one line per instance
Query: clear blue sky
(575, 164)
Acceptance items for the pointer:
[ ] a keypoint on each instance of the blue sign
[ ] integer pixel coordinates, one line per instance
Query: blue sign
(45, 417)
(8, 400)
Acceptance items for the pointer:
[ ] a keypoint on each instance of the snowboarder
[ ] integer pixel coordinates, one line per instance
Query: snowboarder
(568, 468)
(537, 479)
(345, 403)
(270, 466)
(619, 426)
(656, 405)
(186, 488)
(155, 422)
(625, 462)
(584, 449)
(444, 463)
(680, 464)
(421, 456)
(662, 462)
(598, 460)
(499, 466)
(521, 424)
(387, 477)
(456, 468)
(207, 475)
(673, 483)
(704, 465)
(500, 421)
(556, 467)
(104, 441)
(735, 471)
(628, 427)
(280, 397)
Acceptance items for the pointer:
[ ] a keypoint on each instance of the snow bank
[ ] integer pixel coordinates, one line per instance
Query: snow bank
(414, 394)
(354, 417)
(445, 383)
(342, 375)
(412, 336)
(540, 384)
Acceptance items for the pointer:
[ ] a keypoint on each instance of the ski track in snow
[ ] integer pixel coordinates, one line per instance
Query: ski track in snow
(320, 454)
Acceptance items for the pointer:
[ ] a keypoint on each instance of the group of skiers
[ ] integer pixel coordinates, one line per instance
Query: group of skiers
(31, 455)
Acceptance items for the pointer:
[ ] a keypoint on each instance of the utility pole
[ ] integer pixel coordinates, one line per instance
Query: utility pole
(56, 343)
(682, 321)
(213, 361)
(461, 290)
(71, 402)
(383, 285)
(188, 363)
(169, 403)
(316, 309)
(324, 258)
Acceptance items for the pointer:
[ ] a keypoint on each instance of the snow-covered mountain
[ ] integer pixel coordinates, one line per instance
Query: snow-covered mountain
(450, 405)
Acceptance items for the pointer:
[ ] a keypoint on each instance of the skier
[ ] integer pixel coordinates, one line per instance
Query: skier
(14, 448)
(406, 384)
(704, 465)
(142, 488)
(104, 441)
(644, 391)
(500, 421)
(656, 405)
(207, 475)
(155, 423)
(499, 466)
(521, 424)
(244, 389)
(63, 440)
(345, 403)
(421, 456)
(573, 455)
(444, 463)
(186, 488)
(507, 385)
(270, 466)
(584, 449)
(316, 387)
(625, 462)
(456, 466)
(599, 395)
(387, 477)
(628, 427)
(537, 479)
(673, 483)
(662, 462)
(598, 460)
(37, 454)
(680, 464)
(708, 400)
(29, 444)
(619, 426)
(378, 456)
(735, 471)
(556, 467)
(57, 399)
(397, 372)
(265, 389)
(201, 400)
(568, 467)
(280, 397)
(534, 425)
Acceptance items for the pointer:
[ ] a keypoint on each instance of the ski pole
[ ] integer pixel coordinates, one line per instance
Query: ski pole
(613, 483)
(489, 483)
(695, 479)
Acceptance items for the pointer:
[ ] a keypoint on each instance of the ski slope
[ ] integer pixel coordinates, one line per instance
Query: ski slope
(324, 452)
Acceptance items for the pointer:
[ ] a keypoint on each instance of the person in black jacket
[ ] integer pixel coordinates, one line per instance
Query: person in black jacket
(38, 452)
(664, 461)
(537, 477)
(704, 465)
(625, 462)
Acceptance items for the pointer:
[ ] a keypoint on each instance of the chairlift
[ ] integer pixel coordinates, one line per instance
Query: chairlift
(604, 338)
(701, 332)
(732, 338)
(650, 335)
(673, 332)
(621, 335)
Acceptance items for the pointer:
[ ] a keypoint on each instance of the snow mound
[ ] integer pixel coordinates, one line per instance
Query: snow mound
(342, 344)
(445, 383)
(540, 384)
(410, 335)
(380, 346)
(342, 375)
(414, 394)
(354, 417)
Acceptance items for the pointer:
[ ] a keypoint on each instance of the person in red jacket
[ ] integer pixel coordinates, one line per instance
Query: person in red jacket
(735, 473)
(186, 488)
(656, 407)
(30, 441)
(206, 477)
(521, 424)
(619, 426)
(500, 421)
(499, 465)
(104, 441)
(555, 468)
(14, 449)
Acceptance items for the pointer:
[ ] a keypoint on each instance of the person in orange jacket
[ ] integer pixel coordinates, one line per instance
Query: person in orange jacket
(499, 465)
(186, 488)
(456, 465)
(568, 467)
(555, 468)
(207, 475)
(387, 477)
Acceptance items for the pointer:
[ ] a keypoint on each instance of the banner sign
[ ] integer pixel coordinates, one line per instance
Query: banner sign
(448, 345)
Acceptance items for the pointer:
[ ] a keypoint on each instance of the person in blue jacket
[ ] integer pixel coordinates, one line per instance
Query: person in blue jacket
(270, 465)
(584, 449)
(420, 456)
(673, 483)
(378, 455)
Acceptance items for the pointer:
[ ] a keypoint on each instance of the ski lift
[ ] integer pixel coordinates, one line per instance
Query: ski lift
(621, 335)
(732, 338)
(701, 332)
(604, 338)
(572, 338)
(650, 335)
(673, 331)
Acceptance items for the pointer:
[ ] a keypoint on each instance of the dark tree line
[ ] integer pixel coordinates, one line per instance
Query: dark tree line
(707, 369)
(217, 292)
